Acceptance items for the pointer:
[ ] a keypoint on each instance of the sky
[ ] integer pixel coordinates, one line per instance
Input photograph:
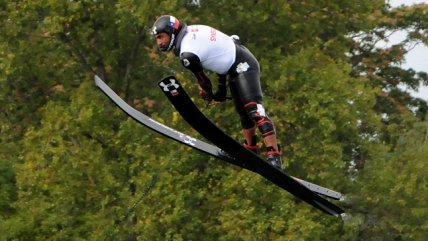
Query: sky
(417, 58)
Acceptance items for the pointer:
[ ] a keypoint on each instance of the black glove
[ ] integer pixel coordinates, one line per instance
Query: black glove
(220, 94)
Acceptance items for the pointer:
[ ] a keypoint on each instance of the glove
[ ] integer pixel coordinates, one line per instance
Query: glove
(205, 95)
(220, 94)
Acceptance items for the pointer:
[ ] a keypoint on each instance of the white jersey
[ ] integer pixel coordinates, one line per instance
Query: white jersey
(215, 50)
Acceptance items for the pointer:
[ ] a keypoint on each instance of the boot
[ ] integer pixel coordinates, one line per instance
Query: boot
(253, 146)
(274, 157)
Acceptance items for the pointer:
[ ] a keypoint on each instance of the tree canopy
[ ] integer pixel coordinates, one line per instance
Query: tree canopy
(74, 167)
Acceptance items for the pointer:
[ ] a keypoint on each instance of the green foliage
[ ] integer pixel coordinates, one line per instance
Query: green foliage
(396, 190)
(7, 188)
(59, 180)
(74, 167)
(318, 105)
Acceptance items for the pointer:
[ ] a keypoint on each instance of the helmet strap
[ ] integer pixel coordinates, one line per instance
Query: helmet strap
(171, 42)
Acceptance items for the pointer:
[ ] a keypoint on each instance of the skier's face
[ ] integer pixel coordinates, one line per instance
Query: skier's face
(162, 40)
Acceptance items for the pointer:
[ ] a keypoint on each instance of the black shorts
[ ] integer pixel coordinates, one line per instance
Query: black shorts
(244, 83)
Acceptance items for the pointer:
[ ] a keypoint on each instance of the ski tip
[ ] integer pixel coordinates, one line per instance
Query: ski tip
(168, 78)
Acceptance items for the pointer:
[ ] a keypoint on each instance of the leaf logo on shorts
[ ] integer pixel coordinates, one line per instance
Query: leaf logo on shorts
(242, 67)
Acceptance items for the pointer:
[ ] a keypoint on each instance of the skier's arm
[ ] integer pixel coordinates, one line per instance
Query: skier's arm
(193, 63)
(220, 94)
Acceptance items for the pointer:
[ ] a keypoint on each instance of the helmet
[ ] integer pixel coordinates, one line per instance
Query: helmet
(170, 25)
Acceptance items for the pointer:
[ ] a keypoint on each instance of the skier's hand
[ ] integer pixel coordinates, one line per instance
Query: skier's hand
(220, 94)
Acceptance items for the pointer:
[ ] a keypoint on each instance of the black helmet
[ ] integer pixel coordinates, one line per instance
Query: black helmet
(167, 24)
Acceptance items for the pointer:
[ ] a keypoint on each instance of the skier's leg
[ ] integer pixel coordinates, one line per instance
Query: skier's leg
(248, 101)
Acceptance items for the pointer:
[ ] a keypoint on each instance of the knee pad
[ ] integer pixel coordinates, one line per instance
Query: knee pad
(258, 115)
(246, 122)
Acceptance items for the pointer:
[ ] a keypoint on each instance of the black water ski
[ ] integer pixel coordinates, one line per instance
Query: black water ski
(161, 128)
(190, 141)
(188, 110)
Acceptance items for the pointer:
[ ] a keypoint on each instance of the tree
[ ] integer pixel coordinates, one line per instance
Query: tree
(382, 65)
(74, 167)
(395, 192)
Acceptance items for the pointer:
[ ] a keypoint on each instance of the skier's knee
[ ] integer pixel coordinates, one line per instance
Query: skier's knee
(258, 115)
(246, 122)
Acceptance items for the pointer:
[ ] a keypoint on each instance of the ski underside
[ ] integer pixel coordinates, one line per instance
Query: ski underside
(224, 148)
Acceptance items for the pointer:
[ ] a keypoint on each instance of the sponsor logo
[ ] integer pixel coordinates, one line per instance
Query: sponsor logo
(186, 62)
(188, 139)
(154, 30)
(185, 138)
(242, 67)
(170, 87)
(213, 35)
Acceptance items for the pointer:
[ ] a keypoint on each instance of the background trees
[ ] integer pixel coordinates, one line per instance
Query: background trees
(74, 167)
